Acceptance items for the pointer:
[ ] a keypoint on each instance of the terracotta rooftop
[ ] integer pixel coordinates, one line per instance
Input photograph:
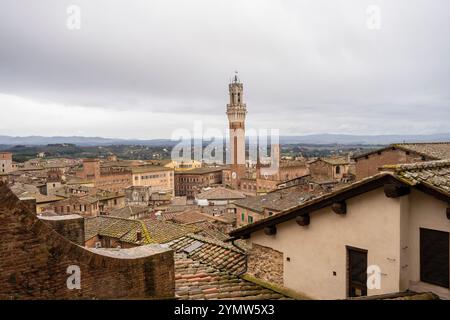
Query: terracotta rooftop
(210, 230)
(23, 188)
(127, 212)
(215, 253)
(279, 200)
(204, 170)
(149, 168)
(165, 231)
(438, 150)
(335, 161)
(160, 215)
(179, 208)
(41, 198)
(431, 150)
(162, 162)
(191, 216)
(195, 280)
(220, 193)
(208, 269)
(152, 231)
(435, 174)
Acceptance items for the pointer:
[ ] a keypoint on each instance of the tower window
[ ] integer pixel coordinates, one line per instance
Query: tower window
(239, 97)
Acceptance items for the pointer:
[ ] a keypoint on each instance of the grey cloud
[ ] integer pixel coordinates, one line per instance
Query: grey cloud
(299, 60)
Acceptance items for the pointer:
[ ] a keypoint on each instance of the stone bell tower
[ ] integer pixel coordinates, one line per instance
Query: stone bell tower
(236, 112)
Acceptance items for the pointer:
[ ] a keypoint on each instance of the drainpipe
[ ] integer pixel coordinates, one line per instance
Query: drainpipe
(244, 253)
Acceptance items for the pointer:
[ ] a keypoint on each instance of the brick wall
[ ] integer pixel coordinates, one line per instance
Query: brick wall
(189, 184)
(266, 185)
(291, 172)
(6, 156)
(321, 171)
(366, 167)
(248, 186)
(266, 264)
(69, 226)
(34, 259)
(5, 162)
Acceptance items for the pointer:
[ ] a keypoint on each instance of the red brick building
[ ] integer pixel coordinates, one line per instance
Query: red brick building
(5, 163)
(189, 183)
(329, 169)
(368, 164)
(107, 178)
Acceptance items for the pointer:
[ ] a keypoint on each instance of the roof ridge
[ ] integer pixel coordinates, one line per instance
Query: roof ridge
(403, 146)
(115, 217)
(417, 165)
(214, 242)
(146, 232)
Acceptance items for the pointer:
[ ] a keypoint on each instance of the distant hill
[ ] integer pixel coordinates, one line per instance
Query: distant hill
(306, 139)
(80, 141)
(364, 139)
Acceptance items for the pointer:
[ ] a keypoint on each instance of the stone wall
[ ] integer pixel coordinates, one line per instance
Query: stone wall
(266, 264)
(35, 259)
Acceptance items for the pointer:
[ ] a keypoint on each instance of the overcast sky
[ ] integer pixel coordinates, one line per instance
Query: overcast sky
(143, 68)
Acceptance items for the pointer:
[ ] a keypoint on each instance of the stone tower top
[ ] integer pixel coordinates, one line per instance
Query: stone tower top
(236, 108)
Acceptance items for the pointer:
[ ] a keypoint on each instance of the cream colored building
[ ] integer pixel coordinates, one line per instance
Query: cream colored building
(391, 229)
(157, 177)
(184, 165)
(177, 165)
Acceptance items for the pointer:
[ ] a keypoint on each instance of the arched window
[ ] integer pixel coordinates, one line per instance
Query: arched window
(338, 169)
